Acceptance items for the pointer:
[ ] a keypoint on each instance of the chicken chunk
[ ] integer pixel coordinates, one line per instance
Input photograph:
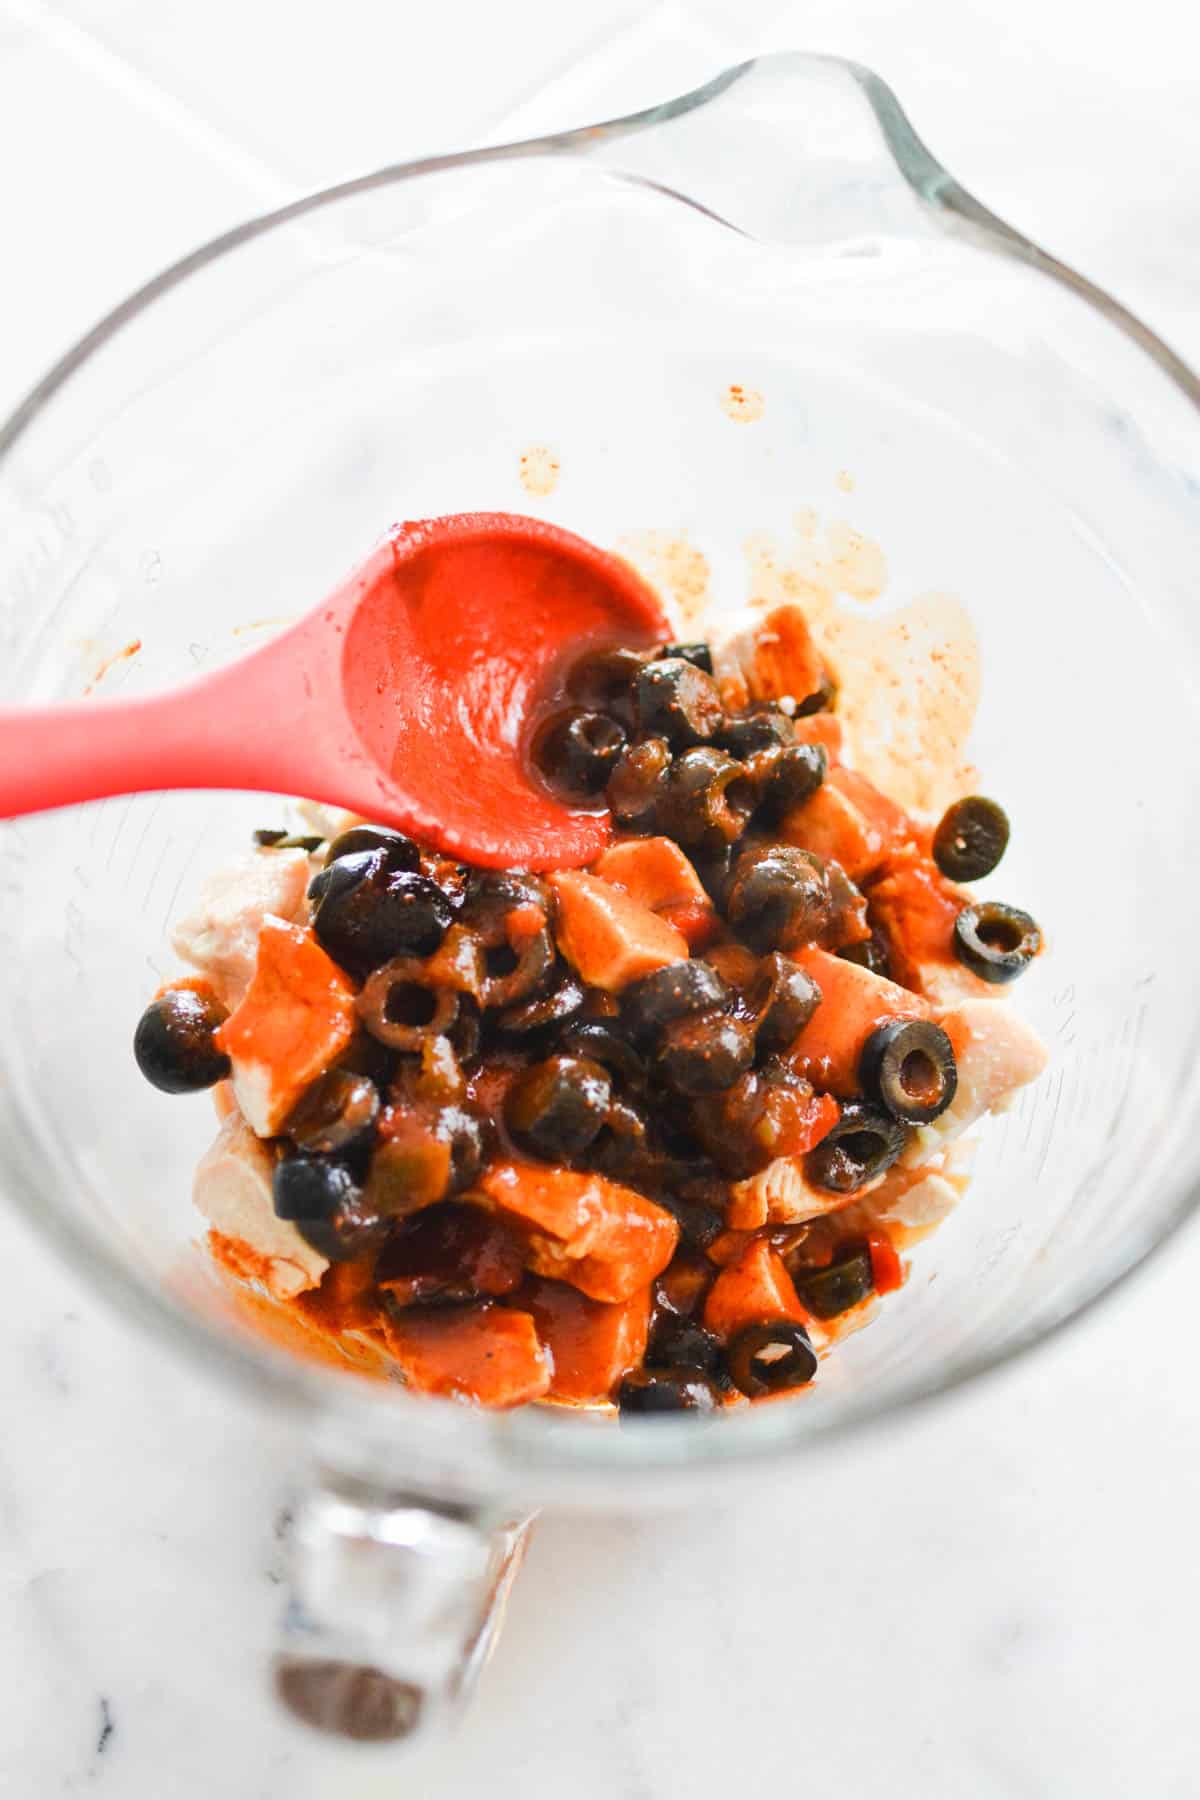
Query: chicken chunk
(592, 1345)
(915, 908)
(997, 1053)
(219, 937)
(488, 1354)
(232, 1190)
(847, 821)
(754, 1289)
(771, 658)
(781, 1194)
(295, 1019)
(609, 938)
(853, 1002)
(605, 1239)
(655, 872)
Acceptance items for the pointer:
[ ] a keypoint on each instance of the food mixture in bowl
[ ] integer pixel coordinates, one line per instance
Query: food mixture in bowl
(651, 1133)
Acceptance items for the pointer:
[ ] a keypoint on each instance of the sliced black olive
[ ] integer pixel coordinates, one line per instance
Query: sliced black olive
(577, 751)
(653, 1002)
(766, 728)
(494, 893)
(699, 655)
(399, 851)
(561, 1004)
(709, 799)
(680, 1290)
(338, 1111)
(667, 1391)
(863, 1144)
(995, 941)
(784, 998)
(519, 963)
(678, 701)
(971, 839)
(770, 1358)
(622, 1146)
(848, 909)
(871, 954)
(286, 840)
(786, 778)
(706, 1053)
(780, 898)
(401, 1007)
(594, 1039)
(716, 869)
(841, 1284)
(327, 1207)
(824, 699)
(680, 1343)
(173, 1044)
(700, 1224)
(908, 1066)
(367, 911)
(639, 782)
(604, 681)
(556, 1108)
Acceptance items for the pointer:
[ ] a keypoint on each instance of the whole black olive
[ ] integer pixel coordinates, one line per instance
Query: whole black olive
(771, 1357)
(173, 1044)
(399, 851)
(604, 681)
(864, 1143)
(326, 1205)
(639, 782)
(667, 1391)
(654, 1001)
(699, 655)
(780, 898)
(709, 799)
(971, 839)
(704, 1054)
(679, 702)
(908, 1066)
(556, 1108)
(339, 1110)
(367, 912)
(841, 1284)
(995, 941)
(765, 728)
(577, 751)
(784, 998)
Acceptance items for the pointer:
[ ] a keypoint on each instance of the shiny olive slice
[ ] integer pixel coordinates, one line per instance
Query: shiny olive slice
(678, 701)
(676, 1342)
(908, 1066)
(790, 776)
(556, 1108)
(864, 1143)
(667, 1391)
(338, 1110)
(594, 1039)
(577, 751)
(971, 839)
(639, 782)
(771, 1357)
(705, 1053)
(560, 1005)
(780, 898)
(784, 998)
(995, 941)
(822, 699)
(603, 681)
(656, 1000)
(766, 728)
(841, 1284)
(699, 655)
(709, 800)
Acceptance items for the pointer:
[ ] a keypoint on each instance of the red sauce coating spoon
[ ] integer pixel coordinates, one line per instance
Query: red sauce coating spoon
(407, 696)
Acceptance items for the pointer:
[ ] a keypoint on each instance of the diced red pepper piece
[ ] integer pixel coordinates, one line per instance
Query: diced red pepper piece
(887, 1271)
(853, 1002)
(489, 1354)
(607, 937)
(754, 1288)
(592, 1344)
(603, 1238)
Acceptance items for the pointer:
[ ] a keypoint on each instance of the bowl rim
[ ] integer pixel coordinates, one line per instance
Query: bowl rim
(538, 1447)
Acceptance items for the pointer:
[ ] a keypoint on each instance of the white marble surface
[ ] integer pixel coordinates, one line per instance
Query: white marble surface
(996, 1598)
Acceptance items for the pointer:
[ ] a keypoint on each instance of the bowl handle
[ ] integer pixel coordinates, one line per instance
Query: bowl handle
(790, 149)
(394, 1604)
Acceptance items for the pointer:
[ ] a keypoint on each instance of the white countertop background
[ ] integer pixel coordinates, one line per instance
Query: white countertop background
(996, 1599)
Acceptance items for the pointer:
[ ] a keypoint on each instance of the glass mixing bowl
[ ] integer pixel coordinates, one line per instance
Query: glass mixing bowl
(214, 456)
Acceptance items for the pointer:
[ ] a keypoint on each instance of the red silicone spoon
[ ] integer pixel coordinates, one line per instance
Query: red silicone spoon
(406, 697)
